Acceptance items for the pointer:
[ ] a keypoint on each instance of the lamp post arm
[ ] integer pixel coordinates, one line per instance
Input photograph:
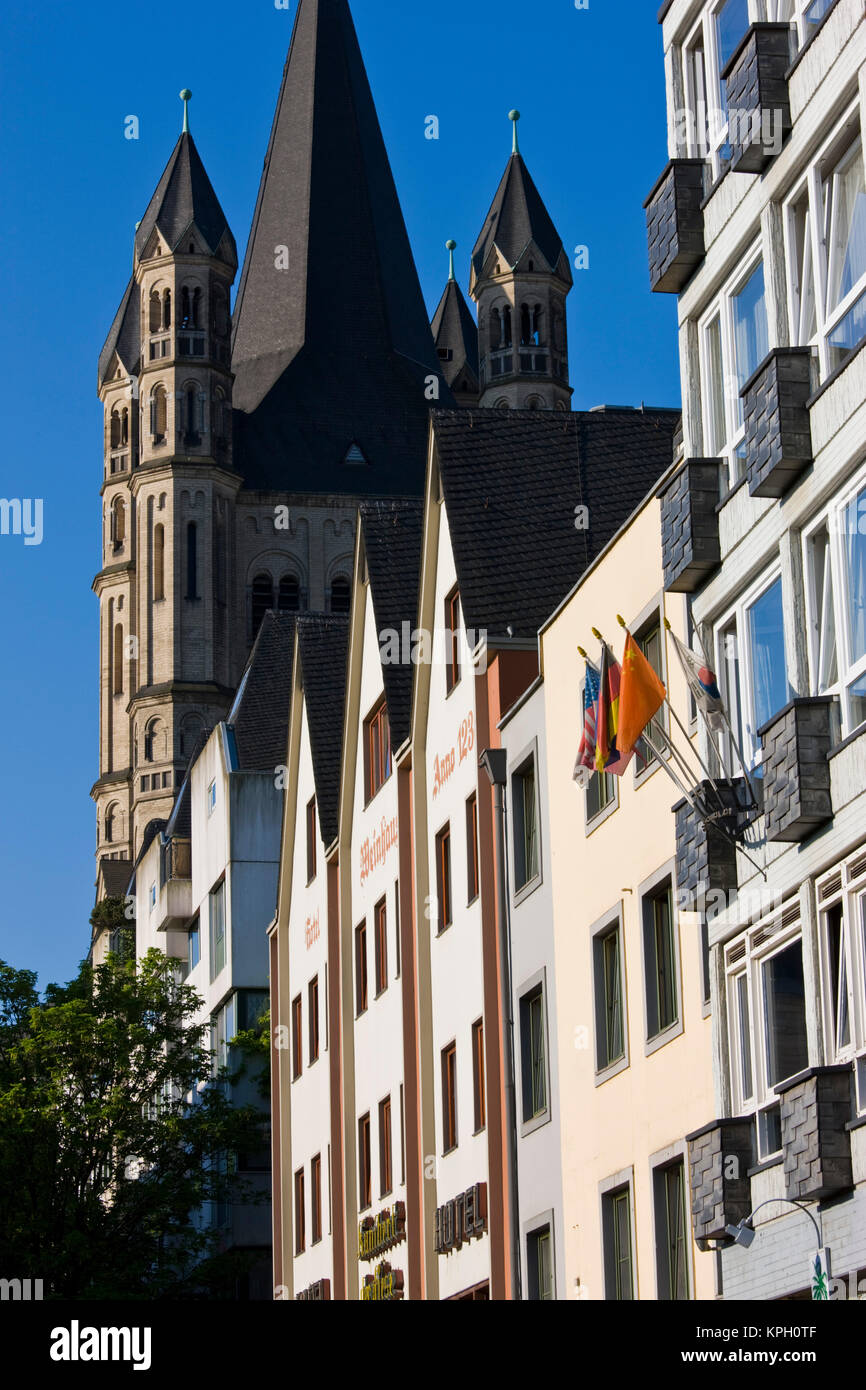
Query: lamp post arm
(791, 1203)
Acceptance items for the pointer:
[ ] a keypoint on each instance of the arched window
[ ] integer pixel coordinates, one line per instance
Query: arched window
(124, 426)
(118, 523)
(192, 560)
(341, 594)
(191, 414)
(530, 325)
(158, 414)
(118, 659)
(220, 312)
(155, 312)
(495, 328)
(154, 741)
(196, 308)
(290, 594)
(166, 309)
(159, 561)
(262, 599)
(111, 824)
(114, 431)
(184, 307)
(506, 326)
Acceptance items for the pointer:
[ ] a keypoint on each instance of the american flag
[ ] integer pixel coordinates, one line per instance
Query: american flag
(585, 765)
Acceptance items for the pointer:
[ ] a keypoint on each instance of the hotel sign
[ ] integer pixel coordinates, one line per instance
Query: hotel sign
(381, 1233)
(320, 1292)
(462, 1219)
(385, 1285)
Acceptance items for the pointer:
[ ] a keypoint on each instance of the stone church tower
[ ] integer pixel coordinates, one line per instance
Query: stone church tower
(236, 451)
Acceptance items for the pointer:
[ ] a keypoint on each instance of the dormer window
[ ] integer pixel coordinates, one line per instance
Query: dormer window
(444, 354)
(355, 455)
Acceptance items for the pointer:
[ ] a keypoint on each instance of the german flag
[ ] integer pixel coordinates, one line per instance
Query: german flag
(608, 757)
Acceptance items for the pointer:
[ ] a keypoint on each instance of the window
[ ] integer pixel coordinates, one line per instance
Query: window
(533, 1050)
(478, 1083)
(262, 599)
(192, 560)
(525, 817)
(223, 1029)
(377, 750)
(472, 848)
(300, 1213)
(297, 1037)
(826, 248)
(118, 659)
(443, 878)
(380, 916)
(158, 414)
(365, 1195)
(341, 595)
(609, 1014)
(651, 643)
(452, 640)
(539, 1250)
(835, 564)
(449, 1098)
(118, 524)
(154, 741)
(312, 830)
(706, 53)
(766, 1019)
(661, 958)
(600, 794)
(617, 1241)
(752, 665)
(211, 798)
(316, 1199)
(217, 929)
(313, 1007)
(385, 1147)
(672, 1267)
(397, 930)
(842, 948)
(734, 340)
(193, 948)
(361, 969)
(289, 599)
(159, 562)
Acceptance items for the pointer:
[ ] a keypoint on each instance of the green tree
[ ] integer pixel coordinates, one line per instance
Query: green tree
(112, 1136)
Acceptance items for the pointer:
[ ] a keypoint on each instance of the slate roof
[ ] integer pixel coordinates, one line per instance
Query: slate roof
(260, 715)
(335, 349)
(180, 820)
(454, 327)
(124, 335)
(517, 216)
(393, 533)
(323, 641)
(185, 195)
(114, 875)
(512, 480)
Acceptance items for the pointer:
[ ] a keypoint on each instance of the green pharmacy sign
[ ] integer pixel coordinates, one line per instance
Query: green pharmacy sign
(819, 1274)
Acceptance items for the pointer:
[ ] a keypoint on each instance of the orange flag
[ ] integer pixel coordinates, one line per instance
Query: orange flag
(641, 695)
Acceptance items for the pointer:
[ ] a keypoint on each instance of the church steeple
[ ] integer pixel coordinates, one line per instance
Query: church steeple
(456, 338)
(332, 349)
(520, 276)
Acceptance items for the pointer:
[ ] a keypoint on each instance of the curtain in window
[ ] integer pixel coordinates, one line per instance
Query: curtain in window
(855, 578)
(767, 650)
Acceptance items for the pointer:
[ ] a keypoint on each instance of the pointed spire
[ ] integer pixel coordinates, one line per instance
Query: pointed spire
(514, 116)
(456, 337)
(186, 98)
(183, 196)
(451, 247)
(331, 343)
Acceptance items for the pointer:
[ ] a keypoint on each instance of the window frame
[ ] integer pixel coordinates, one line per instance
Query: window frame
(479, 1077)
(539, 1228)
(832, 518)
(661, 1166)
(365, 1165)
(532, 1000)
(737, 613)
(613, 1190)
(313, 1036)
(610, 924)
(300, 1212)
(525, 882)
(378, 765)
(312, 836)
(453, 622)
(652, 620)
(732, 449)
(362, 984)
(386, 1148)
(297, 1037)
(315, 1199)
(380, 939)
(845, 886)
(218, 944)
(473, 864)
(444, 894)
(657, 1035)
(448, 1081)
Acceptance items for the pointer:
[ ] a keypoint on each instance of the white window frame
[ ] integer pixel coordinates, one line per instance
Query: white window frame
(832, 517)
(795, 13)
(722, 309)
(836, 155)
(768, 938)
(738, 613)
(845, 884)
(707, 135)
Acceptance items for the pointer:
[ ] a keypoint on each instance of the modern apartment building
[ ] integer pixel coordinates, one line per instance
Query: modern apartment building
(759, 225)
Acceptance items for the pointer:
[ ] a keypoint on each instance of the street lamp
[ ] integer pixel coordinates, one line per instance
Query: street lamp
(744, 1233)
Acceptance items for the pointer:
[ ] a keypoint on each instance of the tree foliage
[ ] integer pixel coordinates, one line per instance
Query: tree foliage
(114, 1135)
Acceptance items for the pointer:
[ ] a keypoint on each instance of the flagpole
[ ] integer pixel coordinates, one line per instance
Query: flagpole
(724, 714)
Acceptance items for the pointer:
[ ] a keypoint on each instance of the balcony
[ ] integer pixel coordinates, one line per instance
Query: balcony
(690, 525)
(175, 881)
(720, 1156)
(797, 740)
(778, 432)
(675, 225)
(759, 111)
(816, 1107)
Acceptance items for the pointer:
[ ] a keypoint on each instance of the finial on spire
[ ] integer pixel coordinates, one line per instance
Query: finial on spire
(514, 116)
(186, 98)
(451, 247)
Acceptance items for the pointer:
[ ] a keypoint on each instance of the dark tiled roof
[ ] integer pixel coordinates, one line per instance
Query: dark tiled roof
(180, 820)
(512, 480)
(113, 877)
(454, 327)
(517, 216)
(393, 534)
(185, 195)
(322, 647)
(334, 350)
(260, 717)
(124, 336)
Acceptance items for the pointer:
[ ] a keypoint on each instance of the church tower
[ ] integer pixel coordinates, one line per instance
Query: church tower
(168, 490)
(519, 279)
(456, 339)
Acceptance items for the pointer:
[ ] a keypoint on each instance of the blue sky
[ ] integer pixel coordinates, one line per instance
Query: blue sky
(590, 86)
